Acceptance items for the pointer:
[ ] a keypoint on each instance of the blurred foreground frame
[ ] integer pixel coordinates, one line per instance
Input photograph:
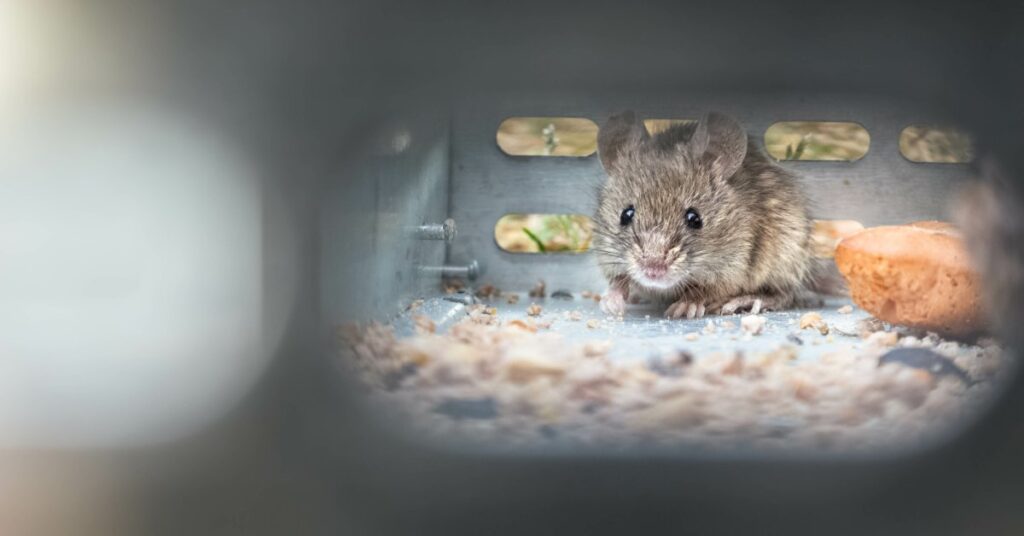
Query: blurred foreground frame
(299, 85)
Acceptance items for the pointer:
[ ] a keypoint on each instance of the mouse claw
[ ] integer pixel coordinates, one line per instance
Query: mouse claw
(614, 303)
(675, 310)
(756, 304)
(685, 308)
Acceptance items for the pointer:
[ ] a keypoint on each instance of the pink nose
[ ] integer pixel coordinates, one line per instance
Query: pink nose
(655, 270)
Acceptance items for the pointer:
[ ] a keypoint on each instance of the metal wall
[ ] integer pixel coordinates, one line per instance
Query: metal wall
(370, 258)
(883, 187)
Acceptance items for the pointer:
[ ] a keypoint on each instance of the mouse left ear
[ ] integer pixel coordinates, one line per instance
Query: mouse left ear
(622, 134)
(722, 140)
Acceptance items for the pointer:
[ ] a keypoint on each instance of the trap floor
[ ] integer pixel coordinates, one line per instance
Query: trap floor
(644, 332)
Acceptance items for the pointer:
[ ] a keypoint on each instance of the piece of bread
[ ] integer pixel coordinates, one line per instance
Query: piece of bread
(916, 275)
(826, 234)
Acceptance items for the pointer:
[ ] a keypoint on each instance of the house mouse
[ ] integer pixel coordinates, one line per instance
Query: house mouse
(699, 216)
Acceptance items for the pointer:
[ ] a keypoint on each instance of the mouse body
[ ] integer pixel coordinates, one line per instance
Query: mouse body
(699, 217)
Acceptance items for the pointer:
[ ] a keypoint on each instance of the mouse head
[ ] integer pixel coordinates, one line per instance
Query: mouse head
(667, 215)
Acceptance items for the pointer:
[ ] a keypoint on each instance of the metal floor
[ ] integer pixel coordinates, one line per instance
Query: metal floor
(643, 332)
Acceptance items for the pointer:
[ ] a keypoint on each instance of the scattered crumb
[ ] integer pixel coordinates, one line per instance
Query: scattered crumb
(883, 338)
(867, 326)
(451, 286)
(753, 324)
(586, 294)
(511, 298)
(596, 348)
(814, 320)
(575, 316)
(526, 368)
(735, 367)
(518, 384)
(538, 290)
(423, 324)
(523, 324)
(534, 309)
(845, 310)
(488, 292)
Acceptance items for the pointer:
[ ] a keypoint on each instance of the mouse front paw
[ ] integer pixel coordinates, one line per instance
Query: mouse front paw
(614, 302)
(684, 307)
(756, 303)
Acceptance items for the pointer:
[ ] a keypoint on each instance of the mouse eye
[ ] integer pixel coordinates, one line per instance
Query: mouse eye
(627, 216)
(693, 220)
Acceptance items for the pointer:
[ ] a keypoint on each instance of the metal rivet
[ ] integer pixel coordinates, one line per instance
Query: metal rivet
(436, 231)
(469, 271)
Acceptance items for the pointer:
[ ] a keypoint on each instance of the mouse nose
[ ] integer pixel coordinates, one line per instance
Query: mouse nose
(655, 270)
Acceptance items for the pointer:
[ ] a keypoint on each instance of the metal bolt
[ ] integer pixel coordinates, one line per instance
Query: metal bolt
(469, 272)
(436, 231)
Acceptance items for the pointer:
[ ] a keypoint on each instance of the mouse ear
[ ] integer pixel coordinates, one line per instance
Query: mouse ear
(722, 140)
(620, 135)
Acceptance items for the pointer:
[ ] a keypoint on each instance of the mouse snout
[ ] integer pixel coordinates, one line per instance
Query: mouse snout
(654, 269)
(654, 260)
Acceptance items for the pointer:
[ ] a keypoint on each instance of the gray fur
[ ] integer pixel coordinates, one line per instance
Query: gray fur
(755, 237)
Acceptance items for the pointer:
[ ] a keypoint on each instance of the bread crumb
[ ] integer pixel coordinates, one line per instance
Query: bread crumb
(523, 324)
(596, 348)
(487, 292)
(524, 369)
(845, 310)
(753, 324)
(534, 309)
(883, 338)
(727, 324)
(814, 320)
(691, 336)
(511, 298)
(735, 367)
(451, 286)
(575, 316)
(423, 324)
(593, 323)
(538, 290)
(709, 328)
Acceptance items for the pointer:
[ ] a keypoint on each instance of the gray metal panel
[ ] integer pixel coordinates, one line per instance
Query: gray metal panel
(369, 258)
(881, 188)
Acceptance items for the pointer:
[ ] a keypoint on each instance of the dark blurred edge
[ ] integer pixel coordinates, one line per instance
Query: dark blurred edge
(298, 82)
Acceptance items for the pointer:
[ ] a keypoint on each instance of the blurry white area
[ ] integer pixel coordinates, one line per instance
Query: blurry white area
(130, 276)
(17, 50)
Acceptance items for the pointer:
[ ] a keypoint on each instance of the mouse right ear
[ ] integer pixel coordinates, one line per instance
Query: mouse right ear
(620, 135)
(721, 139)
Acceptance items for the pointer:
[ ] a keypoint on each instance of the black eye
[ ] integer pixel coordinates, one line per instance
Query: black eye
(693, 220)
(627, 216)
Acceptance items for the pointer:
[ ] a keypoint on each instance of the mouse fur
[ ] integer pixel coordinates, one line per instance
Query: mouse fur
(751, 251)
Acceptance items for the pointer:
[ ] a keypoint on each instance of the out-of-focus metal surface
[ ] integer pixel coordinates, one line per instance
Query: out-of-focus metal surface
(881, 188)
(371, 266)
(297, 85)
